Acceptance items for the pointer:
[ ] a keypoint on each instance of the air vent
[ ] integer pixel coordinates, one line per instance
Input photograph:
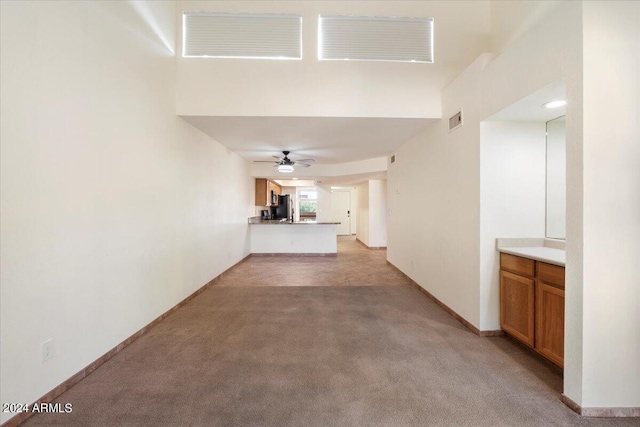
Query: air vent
(455, 121)
(362, 38)
(241, 35)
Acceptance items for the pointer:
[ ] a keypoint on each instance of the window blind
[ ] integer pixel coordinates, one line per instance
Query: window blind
(242, 35)
(363, 38)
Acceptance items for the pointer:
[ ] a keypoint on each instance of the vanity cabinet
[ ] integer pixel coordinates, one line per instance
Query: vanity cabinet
(549, 327)
(532, 304)
(264, 191)
(517, 293)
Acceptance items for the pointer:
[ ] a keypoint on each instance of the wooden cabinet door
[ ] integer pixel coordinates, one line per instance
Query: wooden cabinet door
(516, 306)
(550, 322)
(263, 195)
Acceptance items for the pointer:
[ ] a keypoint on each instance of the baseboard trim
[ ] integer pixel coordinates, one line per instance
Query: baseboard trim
(83, 373)
(373, 248)
(447, 309)
(293, 254)
(630, 412)
(492, 333)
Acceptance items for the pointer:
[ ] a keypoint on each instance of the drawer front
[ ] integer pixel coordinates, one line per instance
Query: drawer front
(517, 264)
(551, 274)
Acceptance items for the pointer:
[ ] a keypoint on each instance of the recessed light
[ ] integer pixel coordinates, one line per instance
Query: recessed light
(555, 104)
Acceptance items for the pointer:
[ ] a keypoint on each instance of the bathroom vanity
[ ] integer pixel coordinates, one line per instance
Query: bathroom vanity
(532, 277)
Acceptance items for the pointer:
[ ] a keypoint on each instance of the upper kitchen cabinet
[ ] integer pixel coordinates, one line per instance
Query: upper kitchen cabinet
(267, 192)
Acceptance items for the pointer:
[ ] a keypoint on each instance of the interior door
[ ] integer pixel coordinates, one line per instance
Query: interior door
(341, 211)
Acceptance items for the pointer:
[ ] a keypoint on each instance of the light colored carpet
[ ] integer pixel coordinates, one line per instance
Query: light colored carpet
(318, 356)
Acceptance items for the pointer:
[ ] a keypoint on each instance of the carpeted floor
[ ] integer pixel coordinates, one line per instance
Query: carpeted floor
(358, 355)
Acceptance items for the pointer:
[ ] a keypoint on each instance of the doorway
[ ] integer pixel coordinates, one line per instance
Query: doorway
(341, 211)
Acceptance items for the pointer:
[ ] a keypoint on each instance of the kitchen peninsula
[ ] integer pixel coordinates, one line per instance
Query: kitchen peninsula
(273, 237)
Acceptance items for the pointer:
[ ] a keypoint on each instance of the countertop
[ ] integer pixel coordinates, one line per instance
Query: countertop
(545, 250)
(281, 222)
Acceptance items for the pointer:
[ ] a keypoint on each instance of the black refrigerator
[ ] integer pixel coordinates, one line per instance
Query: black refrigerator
(284, 210)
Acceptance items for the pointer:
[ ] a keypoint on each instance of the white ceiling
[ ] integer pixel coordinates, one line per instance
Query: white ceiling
(328, 140)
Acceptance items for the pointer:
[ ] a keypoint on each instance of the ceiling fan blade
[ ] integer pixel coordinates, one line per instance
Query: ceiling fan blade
(305, 161)
(277, 157)
(264, 161)
(304, 165)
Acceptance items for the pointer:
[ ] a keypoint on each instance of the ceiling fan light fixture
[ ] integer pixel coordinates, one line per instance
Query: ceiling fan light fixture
(285, 168)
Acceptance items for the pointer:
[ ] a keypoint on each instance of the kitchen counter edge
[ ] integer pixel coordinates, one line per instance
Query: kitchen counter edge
(275, 222)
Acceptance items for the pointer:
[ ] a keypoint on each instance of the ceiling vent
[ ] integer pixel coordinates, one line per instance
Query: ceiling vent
(455, 121)
(362, 38)
(241, 35)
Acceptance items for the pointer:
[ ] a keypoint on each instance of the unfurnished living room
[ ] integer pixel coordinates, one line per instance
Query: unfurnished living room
(320, 213)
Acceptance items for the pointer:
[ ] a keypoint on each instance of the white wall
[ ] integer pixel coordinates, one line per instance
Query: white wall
(354, 210)
(377, 213)
(433, 229)
(512, 199)
(362, 233)
(113, 208)
(511, 19)
(331, 88)
(437, 175)
(611, 205)
(434, 185)
(556, 179)
(323, 213)
(372, 213)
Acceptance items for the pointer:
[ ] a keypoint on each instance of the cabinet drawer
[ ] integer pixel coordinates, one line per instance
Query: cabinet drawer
(552, 274)
(517, 264)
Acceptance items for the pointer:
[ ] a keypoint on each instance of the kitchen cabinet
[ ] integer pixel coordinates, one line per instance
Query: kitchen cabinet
(532, 304)
(264, 191)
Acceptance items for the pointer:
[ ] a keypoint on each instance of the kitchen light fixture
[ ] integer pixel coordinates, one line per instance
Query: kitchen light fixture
(555, 104)
(285, 168)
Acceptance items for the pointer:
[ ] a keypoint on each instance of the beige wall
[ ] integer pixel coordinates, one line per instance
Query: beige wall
(512, 19)
(113, 208)
(512, 199)
(362, 232)
(372, 213)
(437, 175)
(377, 213)
(331, 88)
(611, 205)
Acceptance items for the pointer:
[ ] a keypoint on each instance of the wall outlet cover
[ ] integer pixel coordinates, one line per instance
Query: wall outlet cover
(47, 350)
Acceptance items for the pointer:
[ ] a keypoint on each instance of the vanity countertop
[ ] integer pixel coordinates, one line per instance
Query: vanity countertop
(539, 249)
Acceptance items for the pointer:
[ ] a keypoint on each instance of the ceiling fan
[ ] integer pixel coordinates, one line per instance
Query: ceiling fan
(285, 164)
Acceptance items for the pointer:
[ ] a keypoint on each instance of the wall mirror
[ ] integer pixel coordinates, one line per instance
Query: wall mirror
(556, 179)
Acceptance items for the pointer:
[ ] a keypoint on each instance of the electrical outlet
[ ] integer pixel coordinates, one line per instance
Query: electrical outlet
(47, 350)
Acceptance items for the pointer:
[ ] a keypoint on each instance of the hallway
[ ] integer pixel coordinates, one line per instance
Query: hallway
(343, 341)
(355, 265)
